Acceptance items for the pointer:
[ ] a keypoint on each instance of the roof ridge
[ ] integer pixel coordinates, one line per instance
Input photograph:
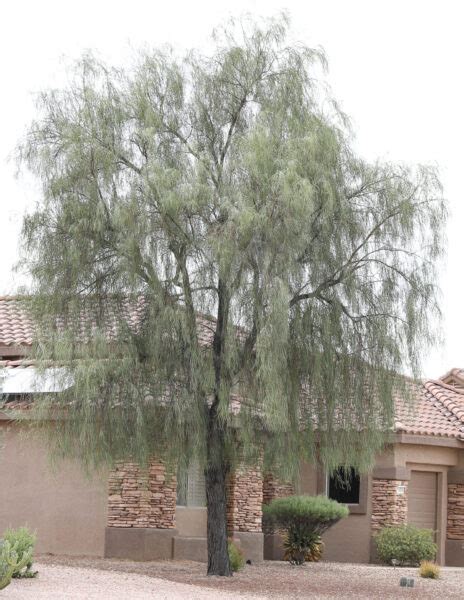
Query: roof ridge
(442, 384)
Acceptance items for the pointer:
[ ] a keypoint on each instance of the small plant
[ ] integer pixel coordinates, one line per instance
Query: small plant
(429, 570)
(11, 561)
(302, 546)
(305, 518)
(23, 542)
(405, 544)
(236, 558)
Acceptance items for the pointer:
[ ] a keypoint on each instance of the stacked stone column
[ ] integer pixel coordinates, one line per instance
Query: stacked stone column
(389, 503)
(455, 518)
(141, 497)
(273, 540)
(141, 512)
(244, 510)
(455, 525)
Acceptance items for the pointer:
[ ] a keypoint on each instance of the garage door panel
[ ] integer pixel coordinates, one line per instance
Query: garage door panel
(422, 499)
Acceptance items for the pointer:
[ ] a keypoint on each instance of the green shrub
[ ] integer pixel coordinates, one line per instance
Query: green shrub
(406, 544)
(302, 546)
(305, 518)
(429, 570)
(11, 561)
(236, 558)
(23, 542)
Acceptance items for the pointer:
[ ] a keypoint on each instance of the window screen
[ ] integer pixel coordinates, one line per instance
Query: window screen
(344, 486)
(191, 486)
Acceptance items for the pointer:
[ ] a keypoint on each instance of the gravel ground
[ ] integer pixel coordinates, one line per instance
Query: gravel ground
(76, 583)
(80, 578)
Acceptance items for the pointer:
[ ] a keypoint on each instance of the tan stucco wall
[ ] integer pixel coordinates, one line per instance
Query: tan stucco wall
(349, 539)
(67, 510)
(191, 521)
(405, 454)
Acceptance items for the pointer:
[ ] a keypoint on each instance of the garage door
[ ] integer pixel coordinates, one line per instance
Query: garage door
(422, 499)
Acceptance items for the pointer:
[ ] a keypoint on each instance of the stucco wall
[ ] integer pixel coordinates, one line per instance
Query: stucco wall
(349, 539)
(67, 510)
(191, 521)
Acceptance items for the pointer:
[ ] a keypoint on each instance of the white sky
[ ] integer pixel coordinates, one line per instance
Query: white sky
(396, 66)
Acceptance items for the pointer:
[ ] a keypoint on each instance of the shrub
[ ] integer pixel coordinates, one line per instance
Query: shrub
(11, 561)
(302, 546)
(23, 542)
(304, 518)
(236, 558)
(429, 570)
(406, 544)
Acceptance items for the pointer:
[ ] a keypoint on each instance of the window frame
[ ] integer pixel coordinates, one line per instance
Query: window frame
(355, 509)
(327, 487)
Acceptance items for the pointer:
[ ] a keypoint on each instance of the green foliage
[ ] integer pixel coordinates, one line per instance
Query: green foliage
(304, 518)
(429, 570)
(23, 542)
(236, 558)
(407, 544)
(12, 561)
(224, 185)
(302, 545)
(319, 512)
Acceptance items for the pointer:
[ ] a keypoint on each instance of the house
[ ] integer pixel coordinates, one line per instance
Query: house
(129, 513)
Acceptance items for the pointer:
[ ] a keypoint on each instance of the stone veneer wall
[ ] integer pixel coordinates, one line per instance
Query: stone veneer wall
(455, 525)
(388, 507)
(141, 497)
(274, 488)
(245, 500)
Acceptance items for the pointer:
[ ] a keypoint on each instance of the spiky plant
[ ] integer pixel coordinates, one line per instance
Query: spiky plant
(11, 561)
(302, 546)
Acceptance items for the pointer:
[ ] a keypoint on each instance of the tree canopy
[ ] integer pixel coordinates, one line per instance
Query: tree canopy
(220, 195)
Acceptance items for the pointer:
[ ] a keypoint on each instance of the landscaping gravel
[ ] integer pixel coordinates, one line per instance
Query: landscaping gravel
(80, 578)
(75, 583)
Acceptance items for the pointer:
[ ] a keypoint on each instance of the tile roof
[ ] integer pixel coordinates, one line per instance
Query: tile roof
(17, 328)
(435, 407)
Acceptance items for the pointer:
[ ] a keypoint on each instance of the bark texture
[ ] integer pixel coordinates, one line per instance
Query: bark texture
(216, 500)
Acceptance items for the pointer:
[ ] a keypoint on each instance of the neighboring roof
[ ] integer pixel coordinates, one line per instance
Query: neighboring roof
(455, 378)
(17, 328)
(435, 407)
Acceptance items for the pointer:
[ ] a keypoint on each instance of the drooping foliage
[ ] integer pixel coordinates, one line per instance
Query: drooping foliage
(207, 233)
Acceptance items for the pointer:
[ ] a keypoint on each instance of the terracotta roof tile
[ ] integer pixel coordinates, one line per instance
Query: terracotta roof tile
(435, 407)
(17, 328)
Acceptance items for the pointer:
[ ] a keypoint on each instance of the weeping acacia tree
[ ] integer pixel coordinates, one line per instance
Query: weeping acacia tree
(206, 239)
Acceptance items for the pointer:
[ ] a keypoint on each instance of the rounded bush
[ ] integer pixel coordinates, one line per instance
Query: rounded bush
(317, 512)
(304, 518)
(405, 544)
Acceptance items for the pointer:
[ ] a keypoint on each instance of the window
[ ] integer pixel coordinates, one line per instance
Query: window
(344, 486)
(191, 486)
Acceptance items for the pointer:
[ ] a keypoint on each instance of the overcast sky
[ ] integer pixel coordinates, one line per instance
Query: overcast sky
(396, 66)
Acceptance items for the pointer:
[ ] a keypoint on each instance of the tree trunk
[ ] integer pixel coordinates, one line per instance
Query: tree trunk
(216, 498)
